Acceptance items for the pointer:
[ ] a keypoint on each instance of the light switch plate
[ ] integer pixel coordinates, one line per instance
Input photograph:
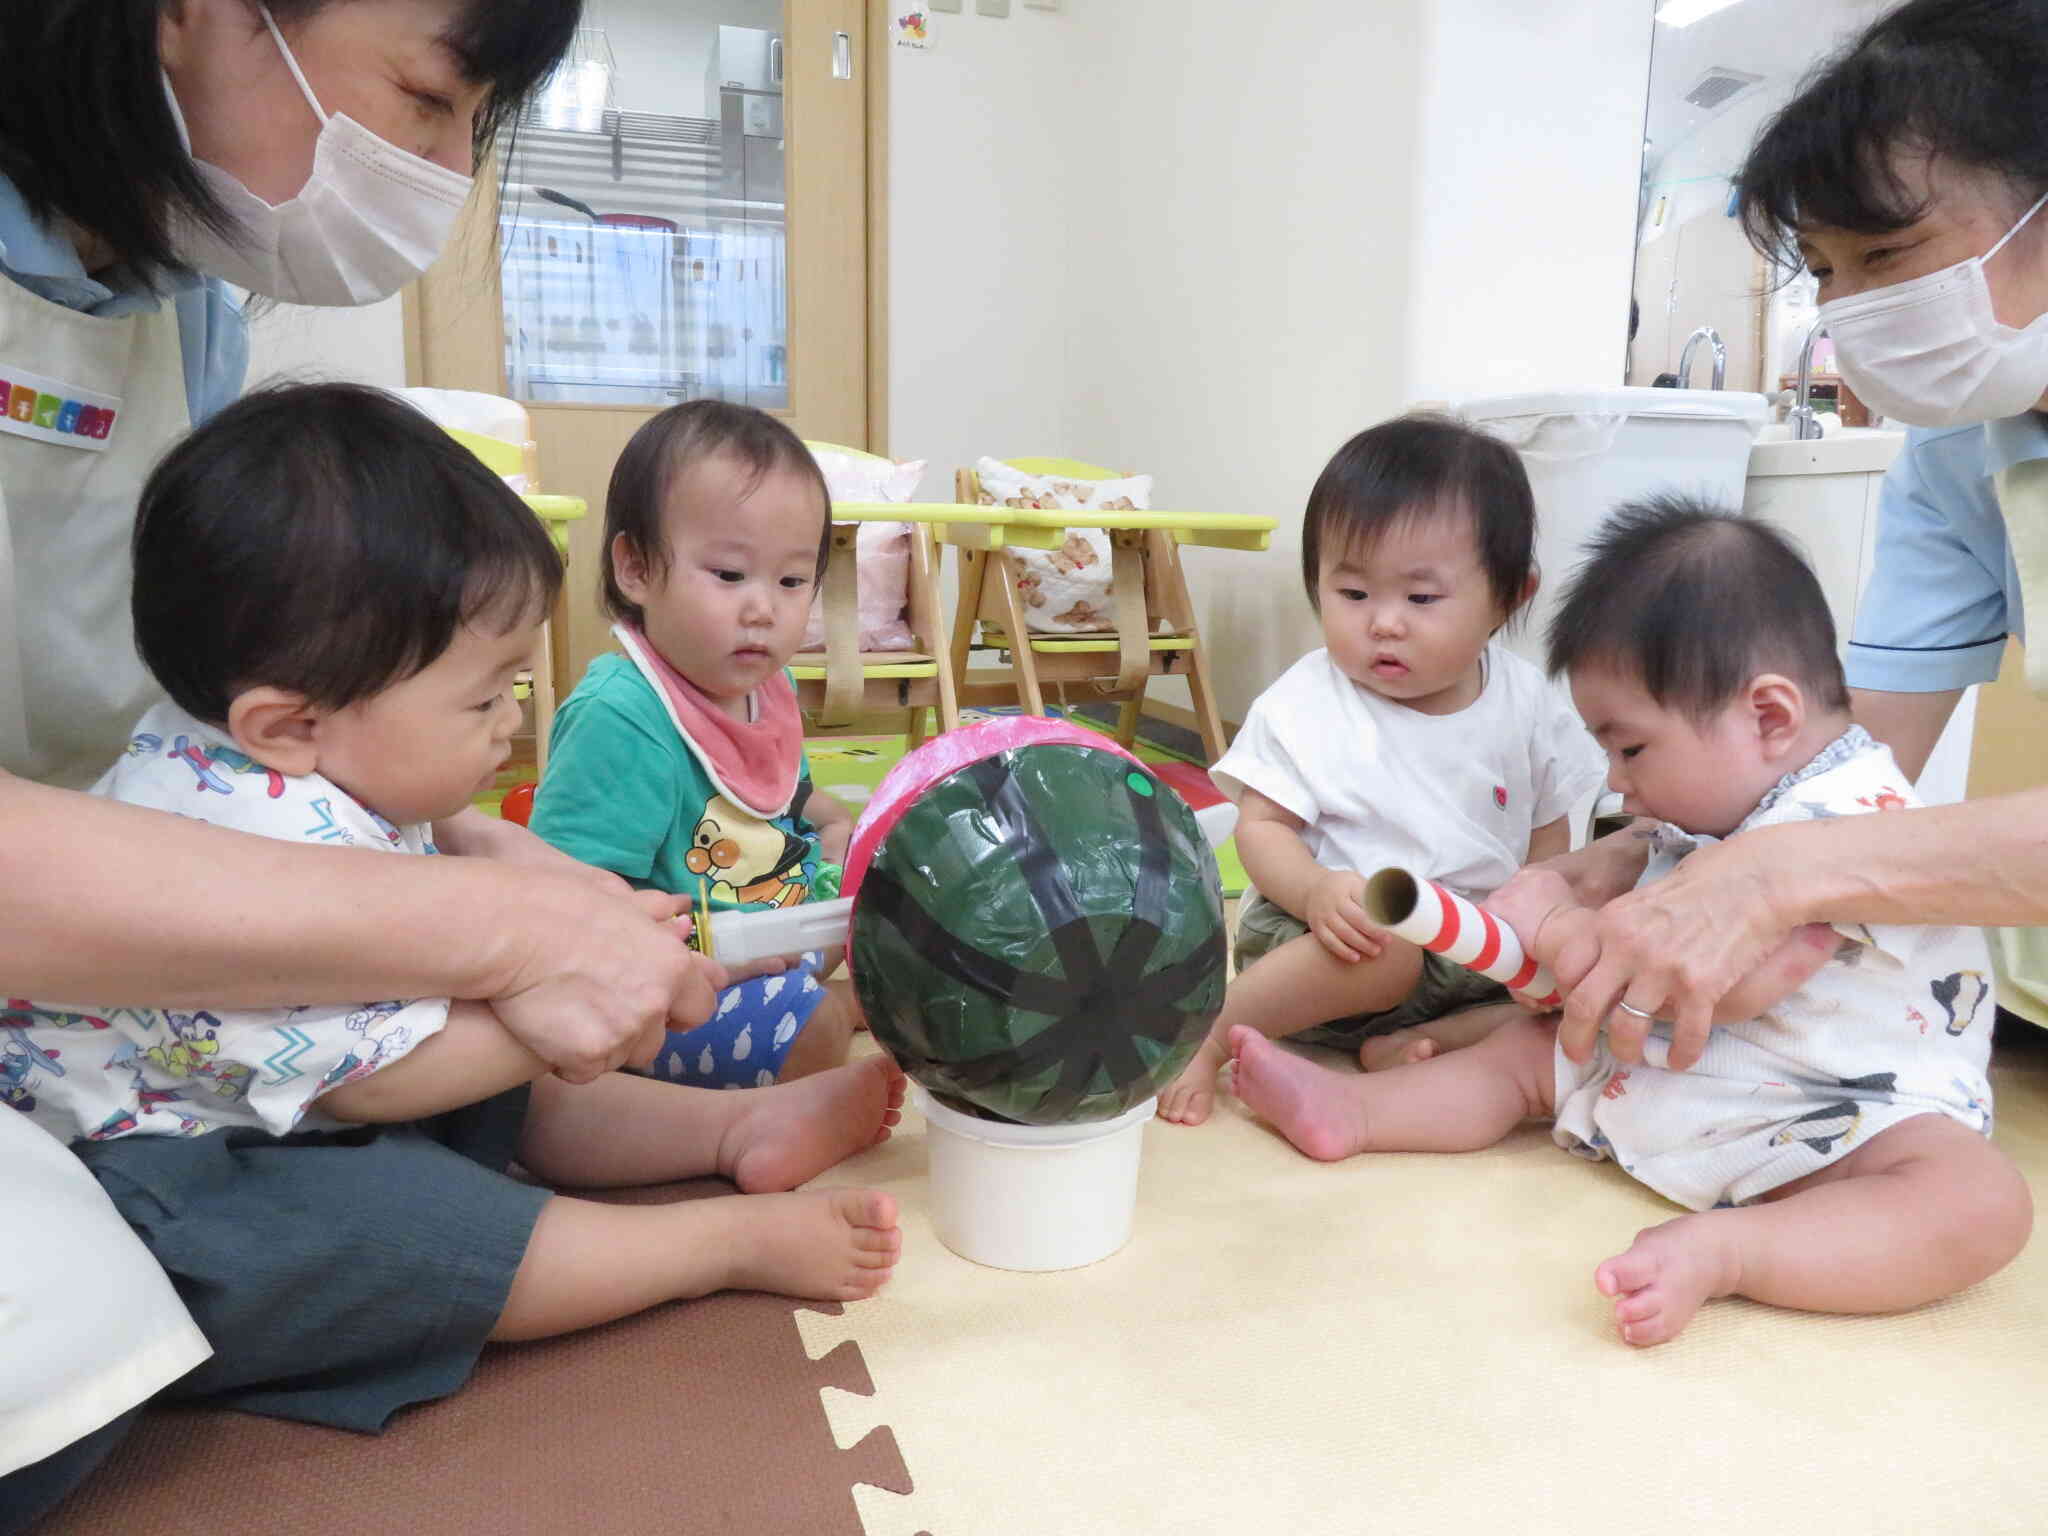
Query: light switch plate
(991, 7)
(952, 6)
(1041, 5)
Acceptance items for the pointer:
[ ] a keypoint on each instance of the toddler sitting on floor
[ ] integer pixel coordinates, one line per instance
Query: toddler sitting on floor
(1832, 1141)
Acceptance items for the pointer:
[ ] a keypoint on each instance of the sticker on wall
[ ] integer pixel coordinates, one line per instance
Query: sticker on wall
(913, 29)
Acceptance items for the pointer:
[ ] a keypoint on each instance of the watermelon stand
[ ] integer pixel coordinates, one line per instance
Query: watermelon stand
(1037, 938)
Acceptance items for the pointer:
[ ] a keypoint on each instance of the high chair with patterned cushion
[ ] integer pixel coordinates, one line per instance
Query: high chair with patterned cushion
(1150, 630)
(517, 463)
(877, 643)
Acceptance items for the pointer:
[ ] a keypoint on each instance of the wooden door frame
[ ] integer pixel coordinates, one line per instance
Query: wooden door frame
(875, 114)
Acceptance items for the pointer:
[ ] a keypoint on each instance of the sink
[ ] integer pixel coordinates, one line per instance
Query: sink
(1843, 451)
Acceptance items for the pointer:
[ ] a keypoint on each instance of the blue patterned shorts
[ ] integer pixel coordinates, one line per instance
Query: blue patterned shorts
(746, 1041)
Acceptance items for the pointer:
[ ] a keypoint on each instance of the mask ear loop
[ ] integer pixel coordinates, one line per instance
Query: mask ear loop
(2025, 219)
(314, 101)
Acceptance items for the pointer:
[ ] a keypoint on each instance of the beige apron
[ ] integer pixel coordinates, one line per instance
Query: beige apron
(89, 1325)
(2022, 953)
(70, 682)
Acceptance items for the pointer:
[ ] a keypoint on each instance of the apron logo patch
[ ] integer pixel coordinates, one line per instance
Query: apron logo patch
(55, 412)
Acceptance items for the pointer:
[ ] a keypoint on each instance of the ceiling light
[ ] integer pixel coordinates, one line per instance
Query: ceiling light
(1683, 13)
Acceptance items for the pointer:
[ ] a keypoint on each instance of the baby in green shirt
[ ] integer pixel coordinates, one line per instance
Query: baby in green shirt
(678, 763)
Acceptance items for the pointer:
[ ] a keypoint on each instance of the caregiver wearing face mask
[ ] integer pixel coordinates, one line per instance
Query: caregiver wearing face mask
(316, 152)
(1910, 177)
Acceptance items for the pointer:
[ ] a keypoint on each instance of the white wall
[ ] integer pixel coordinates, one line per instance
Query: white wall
(1246, 306)
(1530, 143)
(988, 189)
(1211, 247)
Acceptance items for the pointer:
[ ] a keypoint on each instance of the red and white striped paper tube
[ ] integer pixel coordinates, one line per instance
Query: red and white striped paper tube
(1442, 921)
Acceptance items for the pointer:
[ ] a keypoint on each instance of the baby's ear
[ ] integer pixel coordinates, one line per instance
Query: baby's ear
(1530, 585)
(277, 728)
(1779, 709)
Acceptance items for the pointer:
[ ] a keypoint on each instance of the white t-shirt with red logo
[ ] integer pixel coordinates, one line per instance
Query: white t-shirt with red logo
(1451, 797)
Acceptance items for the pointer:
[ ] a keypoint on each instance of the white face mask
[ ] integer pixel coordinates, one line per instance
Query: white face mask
(370, 218)
(1931, 353)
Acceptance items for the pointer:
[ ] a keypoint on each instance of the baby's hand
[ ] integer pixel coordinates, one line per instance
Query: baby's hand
(1336, 916)
(832, 842)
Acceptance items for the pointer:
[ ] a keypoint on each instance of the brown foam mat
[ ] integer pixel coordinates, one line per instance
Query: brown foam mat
(697, 1417)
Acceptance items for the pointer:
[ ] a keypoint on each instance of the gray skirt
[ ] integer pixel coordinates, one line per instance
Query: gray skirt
(339, 1276)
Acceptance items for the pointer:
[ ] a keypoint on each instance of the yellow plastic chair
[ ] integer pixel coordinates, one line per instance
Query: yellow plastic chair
(542, 678)
(842, 684)
(1156, 634)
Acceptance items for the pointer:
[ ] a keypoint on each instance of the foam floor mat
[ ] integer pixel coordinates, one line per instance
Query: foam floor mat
(1414, 1344)
(701, 1418)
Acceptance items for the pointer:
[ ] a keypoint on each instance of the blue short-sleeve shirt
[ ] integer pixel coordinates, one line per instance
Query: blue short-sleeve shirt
(1944, 591)
(212, 331)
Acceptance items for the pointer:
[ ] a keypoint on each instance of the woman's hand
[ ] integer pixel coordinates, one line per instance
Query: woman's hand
(599, 976)
(1674, 949)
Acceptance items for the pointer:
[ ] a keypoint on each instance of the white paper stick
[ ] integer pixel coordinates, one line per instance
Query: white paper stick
(1445, 923)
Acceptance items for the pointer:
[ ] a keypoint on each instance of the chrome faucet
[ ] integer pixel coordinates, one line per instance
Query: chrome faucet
(1713, 339)
(1805, 422)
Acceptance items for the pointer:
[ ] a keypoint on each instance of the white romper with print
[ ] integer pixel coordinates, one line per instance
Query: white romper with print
(1897, 1024)
(87, 1072)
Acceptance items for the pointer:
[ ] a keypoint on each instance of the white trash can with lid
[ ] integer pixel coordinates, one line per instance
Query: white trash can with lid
(1589, 451)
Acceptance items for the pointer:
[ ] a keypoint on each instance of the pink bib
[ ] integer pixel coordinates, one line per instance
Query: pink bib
(753, 763)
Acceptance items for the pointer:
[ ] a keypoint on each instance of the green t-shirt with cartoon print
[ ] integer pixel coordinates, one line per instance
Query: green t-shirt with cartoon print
(624, 792)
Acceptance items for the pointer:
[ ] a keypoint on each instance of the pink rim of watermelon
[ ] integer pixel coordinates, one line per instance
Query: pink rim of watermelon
(940, 758)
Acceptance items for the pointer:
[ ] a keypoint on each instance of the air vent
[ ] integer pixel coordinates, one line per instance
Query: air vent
(1718, 87)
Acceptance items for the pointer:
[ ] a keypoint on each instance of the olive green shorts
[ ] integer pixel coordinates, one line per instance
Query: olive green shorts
(1443, 987)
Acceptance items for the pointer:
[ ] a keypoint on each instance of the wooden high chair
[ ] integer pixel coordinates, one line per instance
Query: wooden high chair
(842, 684)
(1155, 635)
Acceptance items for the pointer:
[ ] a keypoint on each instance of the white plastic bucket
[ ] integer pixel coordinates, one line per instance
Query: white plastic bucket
(1033, 1197)
(1588, 452)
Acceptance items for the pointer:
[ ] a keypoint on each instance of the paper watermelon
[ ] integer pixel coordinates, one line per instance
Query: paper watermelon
(1037, 931)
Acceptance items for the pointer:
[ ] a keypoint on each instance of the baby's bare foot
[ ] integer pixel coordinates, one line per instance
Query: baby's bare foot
(1667, 1272)
(820, 1244)
(1313, 1108)
(1401, 1048)
(791, 1132)
(1189, 1097)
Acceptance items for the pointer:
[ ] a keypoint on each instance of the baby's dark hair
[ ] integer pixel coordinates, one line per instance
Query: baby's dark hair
(327, 539)
(1415, 468)
(1959, 80)
(662, 448)
(1692, 602)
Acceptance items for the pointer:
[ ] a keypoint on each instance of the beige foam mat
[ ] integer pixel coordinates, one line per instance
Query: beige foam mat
(1414, 1344)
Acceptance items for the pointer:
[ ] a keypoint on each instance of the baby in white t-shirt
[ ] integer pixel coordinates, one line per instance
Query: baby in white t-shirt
(1410, 738)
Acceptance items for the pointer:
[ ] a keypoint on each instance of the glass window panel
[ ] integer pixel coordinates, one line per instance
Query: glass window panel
(643, 215)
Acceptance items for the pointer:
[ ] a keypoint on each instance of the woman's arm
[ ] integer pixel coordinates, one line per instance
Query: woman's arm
(1909, 723)
(114, 904)
(1679, 946)
(472, 1057)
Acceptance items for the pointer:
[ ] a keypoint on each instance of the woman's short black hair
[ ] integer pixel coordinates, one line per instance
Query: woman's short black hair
(1964, 81)
(86, 133)
(1414, 468)
(327, 539)
(666, 445)
(1692, 602)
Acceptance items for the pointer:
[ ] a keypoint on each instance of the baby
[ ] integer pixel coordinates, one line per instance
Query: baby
(679, 764)
(1410, 738)
(1832, 1141)
(337, 596)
